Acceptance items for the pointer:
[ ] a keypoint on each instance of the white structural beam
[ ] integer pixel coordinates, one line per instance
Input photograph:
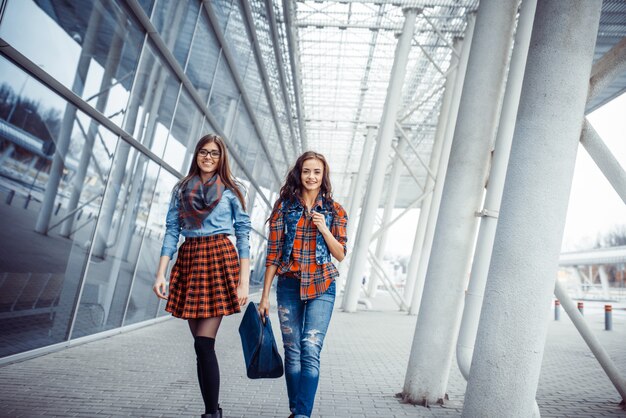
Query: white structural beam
(599, 352)
(433, 166)
(611, 65)
(440, 311)
(392, 192)
(258, 56)
(377, 177)
(294, 60)
(357, 198)
(280, 65)
(604, 159)
(613, 255)
(489, 221)
(513, 325)
(421, 255)
(237, 77)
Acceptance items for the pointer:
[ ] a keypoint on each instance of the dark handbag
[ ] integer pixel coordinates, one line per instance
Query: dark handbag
(259, 347)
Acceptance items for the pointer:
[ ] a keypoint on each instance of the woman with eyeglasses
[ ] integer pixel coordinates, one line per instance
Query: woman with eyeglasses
(306, 227)
(210, 279)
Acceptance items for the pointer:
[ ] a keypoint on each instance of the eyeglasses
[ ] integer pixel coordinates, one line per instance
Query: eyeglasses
(212, 153)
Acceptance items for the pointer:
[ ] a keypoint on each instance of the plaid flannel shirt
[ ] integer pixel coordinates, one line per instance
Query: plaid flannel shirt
(314, 278)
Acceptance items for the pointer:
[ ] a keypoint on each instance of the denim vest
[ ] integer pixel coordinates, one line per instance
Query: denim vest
(292, 212)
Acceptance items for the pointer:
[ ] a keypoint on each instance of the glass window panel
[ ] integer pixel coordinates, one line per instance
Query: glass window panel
(222, 9)
(175, 21)
(41, 272)
(86, 46)
(184, 133)
(185, 30)
(162, 11)
(118, 240)
(205, 52)
(143, 302)
(206, 128)
(224, 92)
(247, 144)
(152, 104)
(147, 6)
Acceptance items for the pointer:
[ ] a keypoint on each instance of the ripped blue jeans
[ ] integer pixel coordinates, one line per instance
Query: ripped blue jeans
(303, 325)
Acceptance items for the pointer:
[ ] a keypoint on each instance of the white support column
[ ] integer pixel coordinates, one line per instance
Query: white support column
(361, 177)
(487, 231)
(448, 267)
(520, 284)
(348, 201)
(377, 177)
(392, 192)
(355, 202)
(415, 298)
(433, 166)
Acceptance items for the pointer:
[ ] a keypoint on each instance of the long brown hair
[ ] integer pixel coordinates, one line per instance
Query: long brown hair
(223, 168)
(292, 189)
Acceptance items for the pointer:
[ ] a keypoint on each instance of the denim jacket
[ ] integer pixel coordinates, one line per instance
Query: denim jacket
(292, 212)
(228, 217)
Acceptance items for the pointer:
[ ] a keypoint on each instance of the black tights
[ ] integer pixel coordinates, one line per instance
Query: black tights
(208, 372)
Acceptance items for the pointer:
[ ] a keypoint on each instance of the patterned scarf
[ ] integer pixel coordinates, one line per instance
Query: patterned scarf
(198, 199)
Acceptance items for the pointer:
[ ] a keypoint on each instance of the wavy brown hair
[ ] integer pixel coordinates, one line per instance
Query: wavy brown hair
(223, 168)
(292, 189)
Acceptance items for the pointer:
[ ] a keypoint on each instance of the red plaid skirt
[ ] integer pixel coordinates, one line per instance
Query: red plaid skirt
(204, 279)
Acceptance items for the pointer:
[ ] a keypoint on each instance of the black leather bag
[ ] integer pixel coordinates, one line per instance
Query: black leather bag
(259, 346)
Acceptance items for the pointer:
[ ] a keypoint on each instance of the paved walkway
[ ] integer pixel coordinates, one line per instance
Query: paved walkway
(150, 372)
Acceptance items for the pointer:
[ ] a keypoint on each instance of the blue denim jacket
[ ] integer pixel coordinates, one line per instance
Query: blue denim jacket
(292, 212)
(228, 217)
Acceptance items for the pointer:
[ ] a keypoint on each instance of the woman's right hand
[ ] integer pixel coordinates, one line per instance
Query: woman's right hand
(264, 307)
(159, 286)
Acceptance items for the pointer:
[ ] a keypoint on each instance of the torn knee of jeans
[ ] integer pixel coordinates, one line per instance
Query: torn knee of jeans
(284, 319)
(312, 337)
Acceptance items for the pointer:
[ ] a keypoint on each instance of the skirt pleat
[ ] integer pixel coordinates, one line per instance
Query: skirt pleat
(204, 279)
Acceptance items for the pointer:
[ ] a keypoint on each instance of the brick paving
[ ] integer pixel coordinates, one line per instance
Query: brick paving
(150, 372)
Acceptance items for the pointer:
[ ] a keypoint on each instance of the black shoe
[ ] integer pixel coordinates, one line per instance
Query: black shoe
(217, 414)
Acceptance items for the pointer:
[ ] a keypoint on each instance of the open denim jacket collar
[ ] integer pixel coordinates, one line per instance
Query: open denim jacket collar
(293, 210)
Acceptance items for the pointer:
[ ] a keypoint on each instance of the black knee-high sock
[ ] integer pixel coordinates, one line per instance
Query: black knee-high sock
(200, 378)
(209, 372)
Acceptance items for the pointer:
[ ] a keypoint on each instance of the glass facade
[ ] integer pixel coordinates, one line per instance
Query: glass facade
(86, 173)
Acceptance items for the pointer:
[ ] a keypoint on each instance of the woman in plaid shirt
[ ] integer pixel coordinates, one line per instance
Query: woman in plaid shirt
(306, 227)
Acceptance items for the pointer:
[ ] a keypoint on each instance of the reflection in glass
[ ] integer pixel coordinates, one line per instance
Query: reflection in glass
(49, 186)
(143, 302)
(184, 132)
(223, 94)
(90, 47)
(83, 211)
(205, 52)
(147, 6)
(152, 102)
(247, 149)
(176, 20)
(109, 278)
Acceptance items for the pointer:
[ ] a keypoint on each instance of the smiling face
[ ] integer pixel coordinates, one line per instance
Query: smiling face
(208, 164)
(312, 174)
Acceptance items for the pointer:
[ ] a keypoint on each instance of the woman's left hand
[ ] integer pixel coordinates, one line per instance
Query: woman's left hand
(319, 221)
(242, 293)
